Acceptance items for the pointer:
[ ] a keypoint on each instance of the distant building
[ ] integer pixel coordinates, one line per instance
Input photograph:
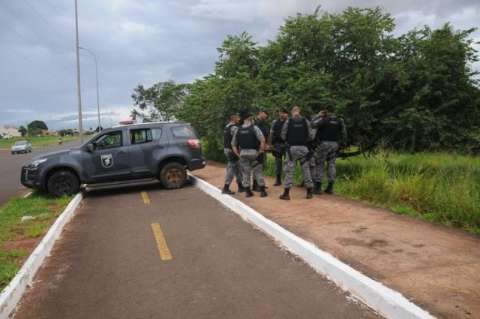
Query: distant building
(9, 131)
(49, 133)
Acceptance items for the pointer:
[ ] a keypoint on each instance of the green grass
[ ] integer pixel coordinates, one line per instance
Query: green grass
(44, 209)
(37, 141)
(437, 187)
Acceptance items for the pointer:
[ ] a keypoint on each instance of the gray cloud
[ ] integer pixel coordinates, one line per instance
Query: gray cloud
(144, 41)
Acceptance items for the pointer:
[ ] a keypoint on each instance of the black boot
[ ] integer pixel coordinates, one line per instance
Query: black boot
(248, 192)
(329, 189)
(255, 186)
(263, 192)
(309, 193)
(318, 188)
(278, 180)
(226, 190)
(286, 194)
(240, 188)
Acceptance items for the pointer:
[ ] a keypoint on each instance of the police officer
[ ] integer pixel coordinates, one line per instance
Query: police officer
(278, 144)
(261, 123)
(296, 132)
(233, 169)
(248, 143)
(330, 131)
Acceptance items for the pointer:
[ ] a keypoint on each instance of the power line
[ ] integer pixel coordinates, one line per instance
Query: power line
(36, 12)
(17, 53)
(41, 38)
(55, 7)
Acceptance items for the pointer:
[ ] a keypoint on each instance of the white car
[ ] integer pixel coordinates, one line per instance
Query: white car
(21, 147)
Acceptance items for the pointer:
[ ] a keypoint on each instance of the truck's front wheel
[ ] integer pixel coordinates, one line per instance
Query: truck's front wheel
(63, 182)
(173, 175)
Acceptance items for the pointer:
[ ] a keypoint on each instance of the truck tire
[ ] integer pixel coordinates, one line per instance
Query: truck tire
(173, 175)
(63, 182)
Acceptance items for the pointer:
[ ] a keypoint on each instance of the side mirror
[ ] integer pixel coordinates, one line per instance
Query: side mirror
(90, 147)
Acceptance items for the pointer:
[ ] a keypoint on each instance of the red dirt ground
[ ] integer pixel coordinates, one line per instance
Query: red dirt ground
(436, 267)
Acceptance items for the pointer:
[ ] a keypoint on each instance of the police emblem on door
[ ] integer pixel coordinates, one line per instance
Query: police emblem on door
(107, 160)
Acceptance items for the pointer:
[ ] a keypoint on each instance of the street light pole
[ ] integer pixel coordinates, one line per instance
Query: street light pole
(96, 77)
(79, 95)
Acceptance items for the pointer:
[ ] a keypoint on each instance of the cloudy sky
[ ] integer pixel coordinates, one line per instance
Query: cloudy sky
(145, 41)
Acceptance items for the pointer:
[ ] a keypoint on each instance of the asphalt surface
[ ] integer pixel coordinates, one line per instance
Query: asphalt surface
(10, 166)
(175, 254)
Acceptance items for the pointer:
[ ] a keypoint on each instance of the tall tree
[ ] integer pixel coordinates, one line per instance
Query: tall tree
(22, 130)
(160, 101)
(36, 127)
(413, 92)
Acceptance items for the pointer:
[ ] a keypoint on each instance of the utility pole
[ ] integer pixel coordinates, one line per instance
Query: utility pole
(79, 95)
(98, 91)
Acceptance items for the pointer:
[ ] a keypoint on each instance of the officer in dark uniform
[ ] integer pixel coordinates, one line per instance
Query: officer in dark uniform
(296, 132)
(278, 144)
(233, 169)
(248, 143)
(261, 123)
(330, 131)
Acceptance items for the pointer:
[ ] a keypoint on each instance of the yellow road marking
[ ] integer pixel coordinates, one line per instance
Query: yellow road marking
(146, 199)
(161, 242)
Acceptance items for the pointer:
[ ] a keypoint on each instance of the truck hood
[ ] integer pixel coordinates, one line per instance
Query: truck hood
(56, 153)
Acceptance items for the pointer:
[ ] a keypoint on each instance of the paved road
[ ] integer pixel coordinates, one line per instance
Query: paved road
(10, 166)
(175, 254)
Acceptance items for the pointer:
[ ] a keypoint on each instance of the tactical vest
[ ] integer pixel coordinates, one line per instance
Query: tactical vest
(331, 131)
(264, 128)
(227, 136)
(247, 139)
(277, 132)
(297, 133)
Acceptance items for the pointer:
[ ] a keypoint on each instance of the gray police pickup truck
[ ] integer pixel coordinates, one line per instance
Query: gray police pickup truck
(118, 156)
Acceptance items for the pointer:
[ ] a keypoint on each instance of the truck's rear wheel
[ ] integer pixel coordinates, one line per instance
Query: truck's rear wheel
(63, 182)
(173, 175)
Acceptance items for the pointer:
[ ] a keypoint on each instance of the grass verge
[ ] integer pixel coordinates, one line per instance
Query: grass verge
(17, 238)
(37, 141)
(437, 187)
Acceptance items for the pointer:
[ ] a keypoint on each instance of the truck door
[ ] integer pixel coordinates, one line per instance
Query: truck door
(143, 143)
(110, 158)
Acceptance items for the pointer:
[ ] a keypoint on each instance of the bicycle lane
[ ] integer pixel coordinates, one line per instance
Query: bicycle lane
(153, 253)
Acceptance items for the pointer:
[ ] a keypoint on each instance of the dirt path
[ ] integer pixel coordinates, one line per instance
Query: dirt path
(436, 267)
(110, 263)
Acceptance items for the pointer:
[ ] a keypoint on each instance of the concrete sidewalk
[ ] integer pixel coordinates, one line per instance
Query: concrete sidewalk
(436, 267)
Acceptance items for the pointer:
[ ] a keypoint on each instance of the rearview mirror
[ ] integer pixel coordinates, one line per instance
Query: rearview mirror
(90, 147)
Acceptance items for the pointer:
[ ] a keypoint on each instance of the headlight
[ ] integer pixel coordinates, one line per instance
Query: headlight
(37, 162)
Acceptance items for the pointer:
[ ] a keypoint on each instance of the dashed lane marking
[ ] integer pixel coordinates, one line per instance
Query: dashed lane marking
(162, 246)
(146, 198)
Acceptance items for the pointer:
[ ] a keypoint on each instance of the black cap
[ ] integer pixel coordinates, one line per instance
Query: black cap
(283, 110)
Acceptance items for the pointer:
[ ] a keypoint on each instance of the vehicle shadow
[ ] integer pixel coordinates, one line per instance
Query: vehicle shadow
(132, 189)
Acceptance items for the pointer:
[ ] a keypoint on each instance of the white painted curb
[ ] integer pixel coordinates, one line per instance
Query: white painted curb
(385, 301)
(12, 294)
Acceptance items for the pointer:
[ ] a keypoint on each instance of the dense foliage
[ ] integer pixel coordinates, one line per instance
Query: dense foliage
(22, 130)
(36, 127)
(411, 92)
(438, 187)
